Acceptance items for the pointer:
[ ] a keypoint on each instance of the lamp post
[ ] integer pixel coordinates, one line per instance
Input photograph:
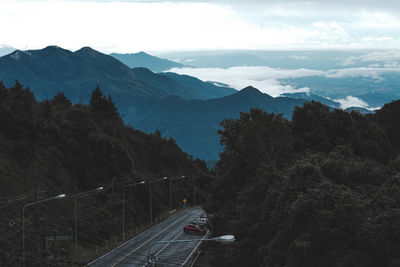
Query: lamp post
(170, 189)
(225, 239)
(79, 195)
(123, 206)
(194, 195)
(151, 205)
(23, 221)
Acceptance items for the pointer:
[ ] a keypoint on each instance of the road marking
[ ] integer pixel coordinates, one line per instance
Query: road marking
(90, 263)
(168, 243)
(165, 246)
(145, 243)
(198, 244)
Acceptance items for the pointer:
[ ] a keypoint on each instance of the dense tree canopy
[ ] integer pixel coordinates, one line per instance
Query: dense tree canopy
(320, 190)
(53, 147)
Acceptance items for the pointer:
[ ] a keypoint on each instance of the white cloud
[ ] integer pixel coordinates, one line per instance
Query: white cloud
(263, 78)
(351, 101)
(374, 73)
(387, 58)
(268, 80)
(5, 50)
(131, 26)
(295, 57)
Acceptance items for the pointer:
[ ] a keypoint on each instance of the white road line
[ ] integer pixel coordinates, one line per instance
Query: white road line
(131, 239)
(146, 242)
(165, 246)
(190, 255)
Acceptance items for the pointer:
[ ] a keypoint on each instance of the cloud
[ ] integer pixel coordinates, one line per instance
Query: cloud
(131, 26)
(374, 73)
(269, 80)
(263, 78)
(295, 57)
(390, 58)
(351, 101)
(5, 50)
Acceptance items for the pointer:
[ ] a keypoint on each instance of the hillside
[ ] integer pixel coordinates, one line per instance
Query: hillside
(205, 90)
(53, 147)
(53, 69)
(144, 60)
(310, 97)
(194, 123)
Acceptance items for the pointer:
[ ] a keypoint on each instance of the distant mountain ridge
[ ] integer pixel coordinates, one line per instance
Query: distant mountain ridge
(54, 69)
(310, 97)
(144, 60)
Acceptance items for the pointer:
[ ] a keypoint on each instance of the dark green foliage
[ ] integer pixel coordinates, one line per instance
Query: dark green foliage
(58, 147)
(388, 117)
(318, 129)
(330, 195)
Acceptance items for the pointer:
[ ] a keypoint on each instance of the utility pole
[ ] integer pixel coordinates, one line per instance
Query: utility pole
(194, 195)
(123, 205)
(23, 220)
(151, 204)
(151, 210)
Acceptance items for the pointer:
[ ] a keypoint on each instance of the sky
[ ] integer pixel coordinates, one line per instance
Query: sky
(159, 26)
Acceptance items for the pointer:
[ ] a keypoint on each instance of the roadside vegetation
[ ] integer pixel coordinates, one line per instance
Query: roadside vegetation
(320, 190)
(53, 147)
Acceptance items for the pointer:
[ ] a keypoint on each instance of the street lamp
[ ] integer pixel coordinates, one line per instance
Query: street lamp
(123, 206)
(225, 239)
(23, 221)
(76, 195)
(170, 189)
(151, 205)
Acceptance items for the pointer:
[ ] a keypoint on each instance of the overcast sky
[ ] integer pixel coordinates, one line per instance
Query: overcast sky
(132, 26)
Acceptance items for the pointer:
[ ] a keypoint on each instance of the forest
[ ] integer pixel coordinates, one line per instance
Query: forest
(320, 190)
(55, 147)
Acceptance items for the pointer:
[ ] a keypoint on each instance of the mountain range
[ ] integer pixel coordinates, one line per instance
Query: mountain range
(180, 106)
(54, 69)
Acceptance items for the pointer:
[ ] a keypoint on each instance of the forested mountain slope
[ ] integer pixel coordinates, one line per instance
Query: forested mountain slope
(53, 147)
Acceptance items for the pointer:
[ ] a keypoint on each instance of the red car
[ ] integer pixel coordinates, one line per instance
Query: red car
(192, 228)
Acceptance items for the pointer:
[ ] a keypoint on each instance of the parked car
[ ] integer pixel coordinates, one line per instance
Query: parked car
(201, 221)
(194, 228)
(204, 215)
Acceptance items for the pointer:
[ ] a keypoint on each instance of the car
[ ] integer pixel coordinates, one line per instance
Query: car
(200, 221)
(204, 215)
(193, 228)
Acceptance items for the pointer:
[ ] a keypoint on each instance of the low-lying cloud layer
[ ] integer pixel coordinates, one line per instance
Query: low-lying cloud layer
(352, 101)
(387, 59)
(263, 78)
(269, 80)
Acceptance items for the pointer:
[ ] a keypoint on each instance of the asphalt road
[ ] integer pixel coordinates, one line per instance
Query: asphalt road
(134, 252)
(176, 254)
